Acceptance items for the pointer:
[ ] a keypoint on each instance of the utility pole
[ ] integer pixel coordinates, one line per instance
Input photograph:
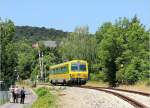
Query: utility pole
(42, 66)
(41, 63)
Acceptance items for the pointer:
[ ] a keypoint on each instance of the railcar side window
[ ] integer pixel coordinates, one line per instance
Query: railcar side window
(50, 71)
(64, 69)
(74, 67)
(82, 67)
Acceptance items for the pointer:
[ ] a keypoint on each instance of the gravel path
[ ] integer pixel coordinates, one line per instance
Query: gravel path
(73, 97)
(143, 99)
(28, 101)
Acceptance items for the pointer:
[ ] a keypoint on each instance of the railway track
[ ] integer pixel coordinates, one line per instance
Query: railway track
(133, 102)
(129, 91)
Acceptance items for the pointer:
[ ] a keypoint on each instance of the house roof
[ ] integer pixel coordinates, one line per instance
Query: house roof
(50, 44)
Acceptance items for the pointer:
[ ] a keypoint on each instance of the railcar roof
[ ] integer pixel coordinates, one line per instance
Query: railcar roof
(64, 63)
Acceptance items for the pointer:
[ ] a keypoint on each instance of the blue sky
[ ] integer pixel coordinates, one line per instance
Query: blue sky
(67, 14)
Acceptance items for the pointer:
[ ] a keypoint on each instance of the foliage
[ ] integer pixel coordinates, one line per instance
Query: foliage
(34, 73)
(41, 91)
(26, 57)
(98, 76)
(123, 51)
(109, 49)
(35, 34)
(45, 99)
(50, 57)
(8, 58)
(136, 53)
(79, 45)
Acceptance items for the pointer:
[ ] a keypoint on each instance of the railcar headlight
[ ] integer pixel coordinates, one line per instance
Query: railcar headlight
(78, 74)
(85, 75)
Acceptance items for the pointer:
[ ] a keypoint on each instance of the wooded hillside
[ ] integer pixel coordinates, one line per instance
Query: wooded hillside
(38, 33)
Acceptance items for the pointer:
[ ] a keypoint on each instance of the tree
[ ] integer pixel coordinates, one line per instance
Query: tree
(35, 34)
(8, 57)
(109, 49)
(135, 54)
(50, 57)
(26, 57)
(123, 50)
(79, 45)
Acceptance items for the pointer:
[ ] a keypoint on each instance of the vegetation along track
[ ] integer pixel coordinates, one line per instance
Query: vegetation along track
(126, 98)
(130, 91)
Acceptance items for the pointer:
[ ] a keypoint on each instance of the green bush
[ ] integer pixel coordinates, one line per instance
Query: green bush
(45, 99)
(99, 76)
(42, 91)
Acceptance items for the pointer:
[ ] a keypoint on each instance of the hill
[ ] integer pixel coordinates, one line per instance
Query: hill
(38, 33)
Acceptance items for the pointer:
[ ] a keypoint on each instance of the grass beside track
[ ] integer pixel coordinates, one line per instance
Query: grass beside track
(97, 84)
(139, 86)
(45, 99)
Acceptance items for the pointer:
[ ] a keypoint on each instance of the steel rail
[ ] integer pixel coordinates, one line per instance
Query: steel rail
(133, 102)
(124, 90)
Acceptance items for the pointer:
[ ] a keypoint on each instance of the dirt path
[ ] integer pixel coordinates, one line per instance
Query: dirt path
(30, 98)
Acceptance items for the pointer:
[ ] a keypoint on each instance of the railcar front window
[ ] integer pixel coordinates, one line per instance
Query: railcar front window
(82, 67)
(74, 67)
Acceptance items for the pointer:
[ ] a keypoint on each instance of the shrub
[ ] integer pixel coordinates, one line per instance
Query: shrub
(99, 76)
(45, 99)
(42, 91)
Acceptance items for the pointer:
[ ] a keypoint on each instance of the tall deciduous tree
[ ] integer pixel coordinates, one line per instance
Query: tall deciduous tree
(8, 57)
(135, 56)
(79, 45)
(26, 57)
(123, 50)
(109, 48)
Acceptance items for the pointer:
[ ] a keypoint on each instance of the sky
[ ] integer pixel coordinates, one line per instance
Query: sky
(67, 14)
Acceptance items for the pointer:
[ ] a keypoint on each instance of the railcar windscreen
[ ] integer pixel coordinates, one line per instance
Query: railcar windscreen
(78, 67)
(74, 67)
(82, 67)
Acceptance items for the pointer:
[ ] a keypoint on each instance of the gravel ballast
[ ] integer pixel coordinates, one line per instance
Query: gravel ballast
(73, 97)
(140, 98)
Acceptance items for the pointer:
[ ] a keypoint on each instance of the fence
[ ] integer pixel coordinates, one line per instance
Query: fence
(4, 97)
(4, 93)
